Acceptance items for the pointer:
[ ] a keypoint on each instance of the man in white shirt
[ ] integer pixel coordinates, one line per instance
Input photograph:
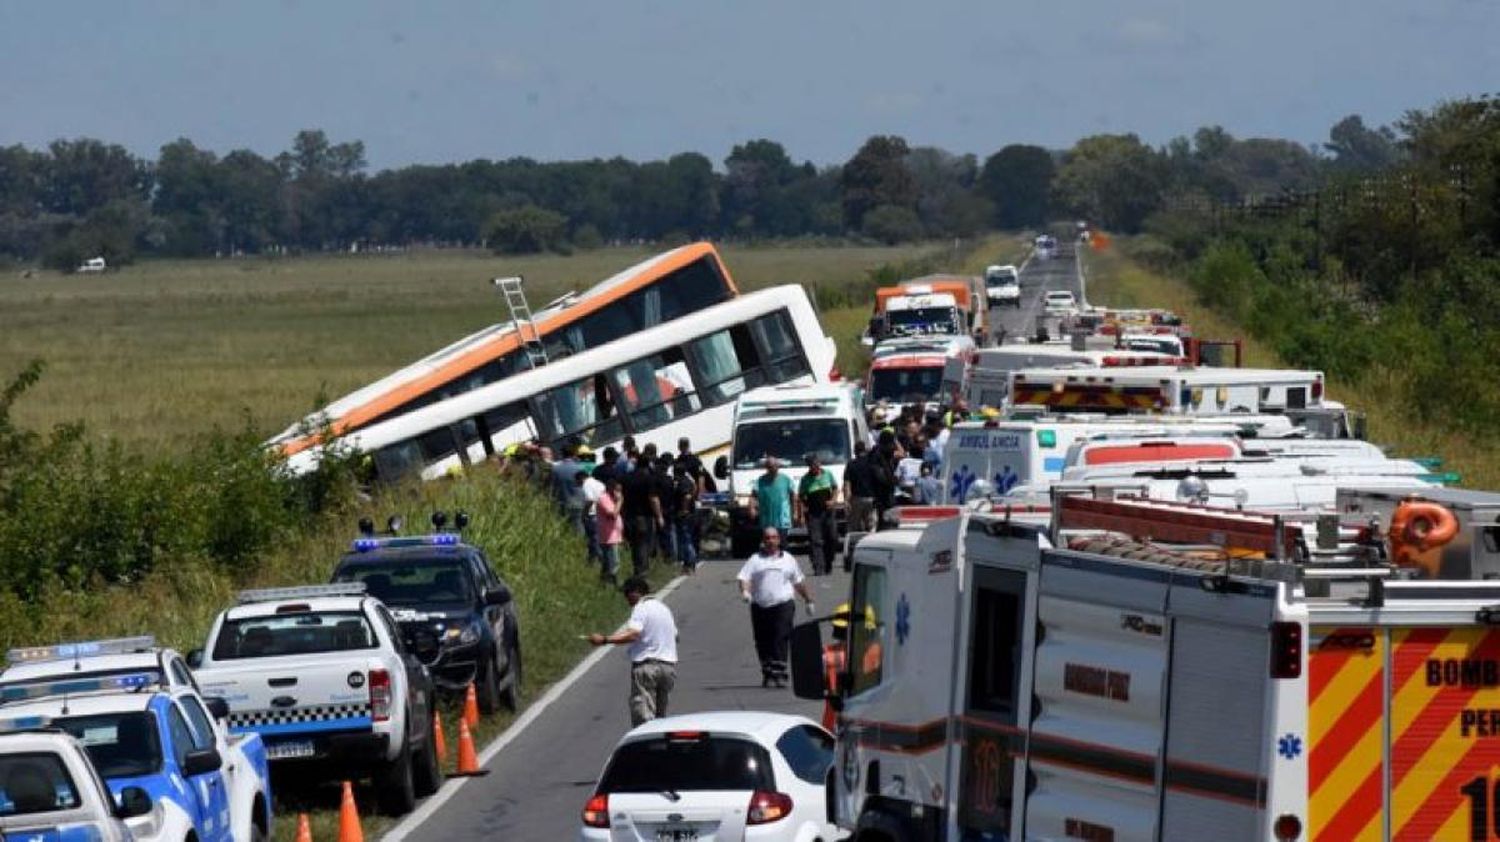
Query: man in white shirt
(651, 632)
(592, 489)
(768, 582)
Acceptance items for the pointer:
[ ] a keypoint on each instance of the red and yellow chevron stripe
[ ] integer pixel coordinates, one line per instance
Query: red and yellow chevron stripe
(1346, 731)
(1445, 730)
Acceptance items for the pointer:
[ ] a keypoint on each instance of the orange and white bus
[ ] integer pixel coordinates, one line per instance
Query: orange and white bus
(666, 287)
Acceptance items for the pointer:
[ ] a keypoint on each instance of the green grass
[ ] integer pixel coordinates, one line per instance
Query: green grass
(1113, 280)
(165, 349)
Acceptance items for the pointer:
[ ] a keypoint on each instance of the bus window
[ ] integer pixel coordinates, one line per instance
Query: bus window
(727, 364)
(583, 408)
(437, 444)
(508, 424)
(398, 460)
(692, 288)
(656, 390)
(784, 360)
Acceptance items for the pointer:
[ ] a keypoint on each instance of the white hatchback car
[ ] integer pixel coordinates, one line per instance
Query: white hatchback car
(715, 776)
(1060, 301)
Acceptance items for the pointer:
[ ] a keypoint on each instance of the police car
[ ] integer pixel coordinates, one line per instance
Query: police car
(322, 674)
(140, 734)
(50, 792)
(438, 583)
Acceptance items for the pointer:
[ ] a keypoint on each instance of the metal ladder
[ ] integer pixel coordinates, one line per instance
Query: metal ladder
(520, 319)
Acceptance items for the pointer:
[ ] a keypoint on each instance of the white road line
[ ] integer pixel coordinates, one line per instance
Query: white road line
(435, 802)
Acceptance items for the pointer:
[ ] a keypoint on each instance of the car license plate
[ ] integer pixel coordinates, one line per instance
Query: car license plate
(677, 835)
(294, 748)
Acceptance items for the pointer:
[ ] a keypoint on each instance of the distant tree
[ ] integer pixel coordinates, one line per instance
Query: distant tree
(526, 230)
(251, 203)
(1358, 149)
(1115, 180)
(1018, 181)
(875, 176)
(83, 175)
(944, 182)
(892, 224)
(189, 198)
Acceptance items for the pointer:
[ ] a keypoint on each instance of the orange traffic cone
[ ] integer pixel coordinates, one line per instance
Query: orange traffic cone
(349, 829)
(468, 760)
(439, 742)
(304, 831)
(471, 707)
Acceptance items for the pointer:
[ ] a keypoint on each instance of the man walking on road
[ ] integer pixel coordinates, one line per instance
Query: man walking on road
(768, 582)
(643, 514)
(817, 495)
(651, 632)
(859, 490)
(772, 499)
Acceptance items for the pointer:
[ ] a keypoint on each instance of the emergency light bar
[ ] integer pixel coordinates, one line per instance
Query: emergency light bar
(81, 649)
(303, 592)
(17, 724)
(74, 686)
(441, 539)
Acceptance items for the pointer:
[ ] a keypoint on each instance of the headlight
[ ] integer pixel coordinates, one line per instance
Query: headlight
(470, 634)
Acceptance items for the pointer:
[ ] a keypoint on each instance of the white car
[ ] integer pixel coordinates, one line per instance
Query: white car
(52, 791)
(748, 775)
(1002, 286)
(94, 658)
(1060, 301)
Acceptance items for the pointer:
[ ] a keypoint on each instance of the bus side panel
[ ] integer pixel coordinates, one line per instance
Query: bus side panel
(1346, 727)
(1445, 733)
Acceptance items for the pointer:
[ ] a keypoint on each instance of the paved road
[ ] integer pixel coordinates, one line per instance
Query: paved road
(1037, 278)
(539, 782)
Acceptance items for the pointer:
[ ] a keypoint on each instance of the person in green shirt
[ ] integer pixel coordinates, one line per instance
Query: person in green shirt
(773, 500)
(817, 496)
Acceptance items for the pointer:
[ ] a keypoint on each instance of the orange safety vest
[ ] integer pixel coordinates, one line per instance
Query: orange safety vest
(833, 664)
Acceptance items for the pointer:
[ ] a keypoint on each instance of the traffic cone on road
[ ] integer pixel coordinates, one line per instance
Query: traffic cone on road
(349, 829)
(471, 707)
(439, 742)
(304, 830)
(468, 760)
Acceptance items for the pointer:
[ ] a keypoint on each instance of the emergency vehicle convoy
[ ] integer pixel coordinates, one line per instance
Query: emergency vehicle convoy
(1140, 670)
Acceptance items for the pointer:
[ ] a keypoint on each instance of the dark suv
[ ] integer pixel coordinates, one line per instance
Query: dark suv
(437, 584)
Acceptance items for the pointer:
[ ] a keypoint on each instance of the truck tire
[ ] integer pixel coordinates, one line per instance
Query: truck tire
(487, 687)
(395, 789)
(428, 774)
(510, 697)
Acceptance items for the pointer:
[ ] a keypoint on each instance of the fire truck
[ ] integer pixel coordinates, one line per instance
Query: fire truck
(1146, 670)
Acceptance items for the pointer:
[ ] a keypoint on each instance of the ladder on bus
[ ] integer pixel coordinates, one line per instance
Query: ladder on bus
(520, 319)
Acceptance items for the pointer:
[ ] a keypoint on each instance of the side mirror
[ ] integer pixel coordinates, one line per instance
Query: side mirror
(201, 762)
(721, 467)
(218, 707)
(498, 595)
(807, 662)
(133, 801)
(195, 659)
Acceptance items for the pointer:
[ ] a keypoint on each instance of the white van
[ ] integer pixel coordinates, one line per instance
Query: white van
(787, 422)
(1002, 286)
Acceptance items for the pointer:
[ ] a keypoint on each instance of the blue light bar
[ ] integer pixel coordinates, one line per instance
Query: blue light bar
(81, 649)
(72, 686)
(441, 539)
(24, 723)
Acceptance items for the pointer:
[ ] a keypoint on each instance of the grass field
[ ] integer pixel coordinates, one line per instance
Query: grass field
(1115, 281)
(165, 349)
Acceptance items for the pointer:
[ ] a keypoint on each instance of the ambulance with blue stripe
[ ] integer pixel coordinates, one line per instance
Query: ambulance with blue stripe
(50, 792)
(141, 734)
(1138, 670)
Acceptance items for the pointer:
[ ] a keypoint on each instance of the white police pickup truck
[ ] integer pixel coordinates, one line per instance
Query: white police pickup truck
(323, 675)
(49, 790)
(141, 734)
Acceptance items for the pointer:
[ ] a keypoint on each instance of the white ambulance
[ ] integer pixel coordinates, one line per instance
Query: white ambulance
(1149, 671)
(1176, 390)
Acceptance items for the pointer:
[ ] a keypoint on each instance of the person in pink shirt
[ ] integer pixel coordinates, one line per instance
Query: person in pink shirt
(611, 528)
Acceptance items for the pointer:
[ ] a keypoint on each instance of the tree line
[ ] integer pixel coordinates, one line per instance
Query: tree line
(84, 197)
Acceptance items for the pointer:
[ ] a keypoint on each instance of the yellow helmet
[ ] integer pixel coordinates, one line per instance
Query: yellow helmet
(841, 616)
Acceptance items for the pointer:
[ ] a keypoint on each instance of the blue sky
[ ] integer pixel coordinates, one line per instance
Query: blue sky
(450, 81)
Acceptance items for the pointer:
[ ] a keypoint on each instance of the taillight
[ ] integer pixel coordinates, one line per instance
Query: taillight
(380, 695)
(1286, 650)
(834, 375)
(1287, 828)
(767, 807)
(1317, 389)
(596, 812)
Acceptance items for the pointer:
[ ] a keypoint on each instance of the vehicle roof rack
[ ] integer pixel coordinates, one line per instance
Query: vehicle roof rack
(301, 592)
